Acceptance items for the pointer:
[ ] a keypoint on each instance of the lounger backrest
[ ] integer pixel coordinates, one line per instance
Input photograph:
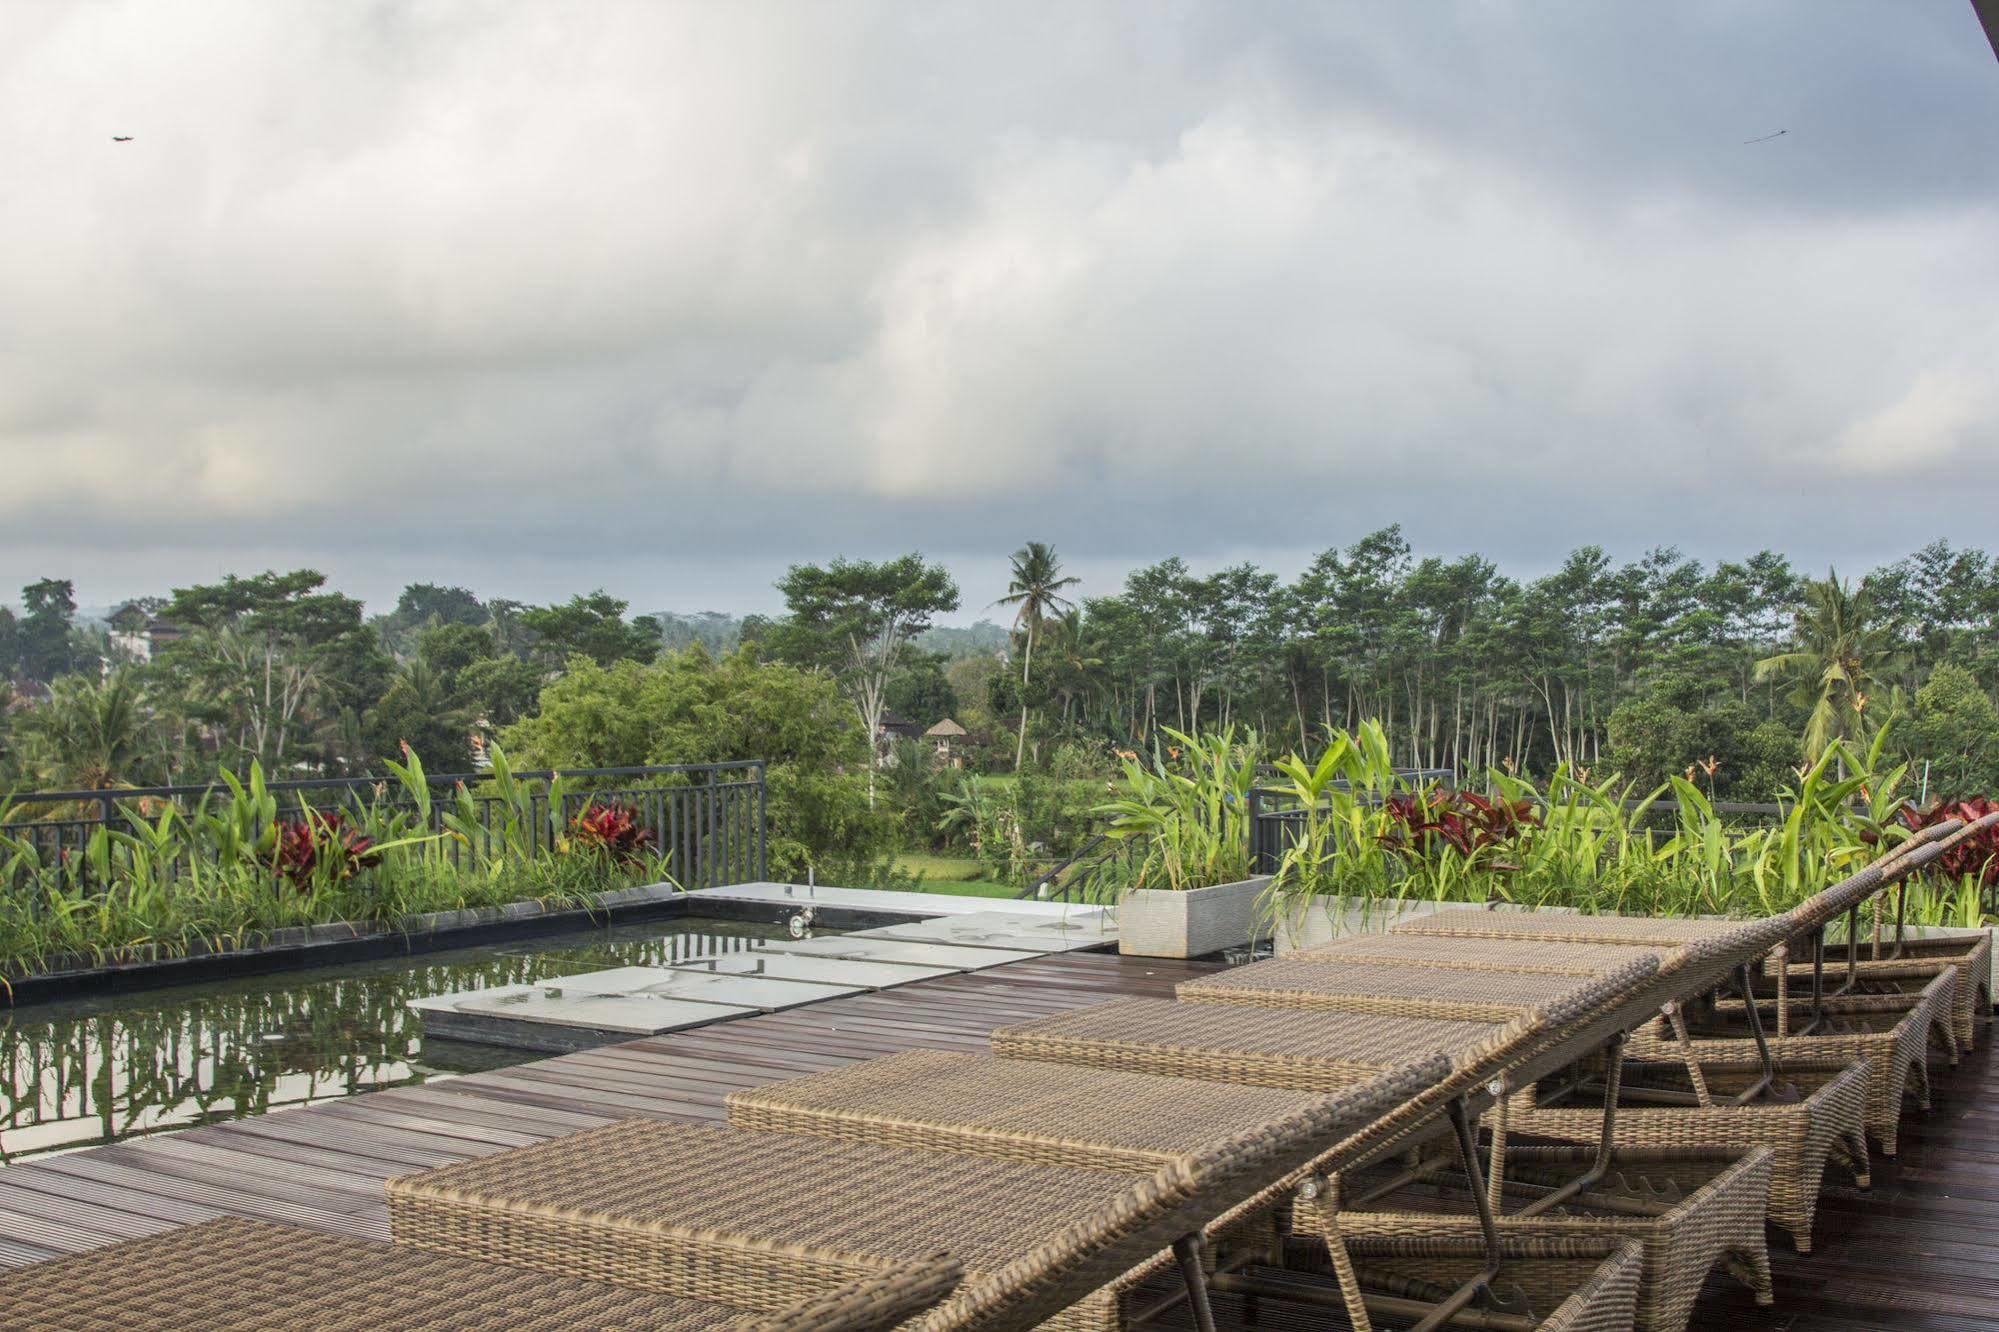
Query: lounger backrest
(1920, 837)
(873, 1303)
(1823, 908)
(1531, 1036)
(1179, 1199)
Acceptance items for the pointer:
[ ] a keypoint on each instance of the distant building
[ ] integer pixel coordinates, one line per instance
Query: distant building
(894, 726)
(139, 633)
(949, 738)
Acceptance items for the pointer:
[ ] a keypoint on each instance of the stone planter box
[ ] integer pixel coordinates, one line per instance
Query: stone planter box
(1307, 922)
(1156, 923)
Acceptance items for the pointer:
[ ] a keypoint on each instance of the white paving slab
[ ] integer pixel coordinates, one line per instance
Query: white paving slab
(899, 950)
(1006, 929)
(828, 972)
(624, 1014)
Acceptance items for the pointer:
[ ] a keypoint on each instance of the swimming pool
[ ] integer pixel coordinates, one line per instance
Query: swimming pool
(79, 1073)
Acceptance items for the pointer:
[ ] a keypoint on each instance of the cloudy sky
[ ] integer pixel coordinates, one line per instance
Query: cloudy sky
(535, 297)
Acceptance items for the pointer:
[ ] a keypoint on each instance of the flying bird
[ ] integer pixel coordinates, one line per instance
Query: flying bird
(121, 138)
(1767, 137)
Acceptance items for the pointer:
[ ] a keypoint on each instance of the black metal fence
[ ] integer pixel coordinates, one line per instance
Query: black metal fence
(708, 819)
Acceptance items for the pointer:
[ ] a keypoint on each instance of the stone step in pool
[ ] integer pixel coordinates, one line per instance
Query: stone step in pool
(623, 1003)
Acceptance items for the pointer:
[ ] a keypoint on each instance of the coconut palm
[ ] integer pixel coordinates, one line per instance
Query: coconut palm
(92, 734)
(1833, 668)
(1035, 592)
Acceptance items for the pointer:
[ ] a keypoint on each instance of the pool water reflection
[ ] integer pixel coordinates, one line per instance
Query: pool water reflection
(84, 1072)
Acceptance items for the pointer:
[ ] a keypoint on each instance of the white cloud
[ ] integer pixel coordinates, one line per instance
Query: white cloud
(690, 283)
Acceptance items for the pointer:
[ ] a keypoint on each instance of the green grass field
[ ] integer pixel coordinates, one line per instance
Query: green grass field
(952, 874)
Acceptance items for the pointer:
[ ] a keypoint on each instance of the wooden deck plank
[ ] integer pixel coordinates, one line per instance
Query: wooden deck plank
(1920, 1251)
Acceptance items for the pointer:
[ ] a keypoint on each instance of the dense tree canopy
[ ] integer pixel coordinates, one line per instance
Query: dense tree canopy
(1648, 667)
(688, 707)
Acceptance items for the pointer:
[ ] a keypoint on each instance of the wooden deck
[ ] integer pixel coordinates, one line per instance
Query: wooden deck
(1919, 1252)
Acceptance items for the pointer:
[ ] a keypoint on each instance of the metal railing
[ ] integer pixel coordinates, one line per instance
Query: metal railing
(708, 819)
(1094, 872)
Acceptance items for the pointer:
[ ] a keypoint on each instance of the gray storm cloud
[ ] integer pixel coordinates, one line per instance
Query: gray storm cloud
(635, 294)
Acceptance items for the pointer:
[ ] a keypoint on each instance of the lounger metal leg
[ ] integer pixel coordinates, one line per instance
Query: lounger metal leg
(1852, 951)
(1612, 1084)
(1818, 979)
(1187, 1252)
(1768, 1075)
(1468, 1159)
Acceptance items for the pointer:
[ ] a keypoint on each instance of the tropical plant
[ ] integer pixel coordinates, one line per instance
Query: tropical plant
(1976, 858)
(1188, 811)
(236, 863)
(93, 734)
(612, 830)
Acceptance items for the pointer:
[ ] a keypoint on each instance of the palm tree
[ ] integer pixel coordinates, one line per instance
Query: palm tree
(1035, 591)
(1833, 667)
(91, 734)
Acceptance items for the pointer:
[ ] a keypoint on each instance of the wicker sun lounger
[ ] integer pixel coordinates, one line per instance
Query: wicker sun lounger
(1816, 1114)
(757, 1219)
(1566, 927)
(1472, 953)
(1025, 1110)
(1408, 990)
(1892, 1033)
(1689, 1210)
(256, 1276)
(1824, 1122)
(1057, 1114)
(1917, 962)
(1908, 964)
(1032, 1111)
(1721, 1217)
(1289, 1047)
(1588, 1285)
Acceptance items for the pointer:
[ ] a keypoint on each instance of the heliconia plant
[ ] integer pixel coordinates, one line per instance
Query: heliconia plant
(612, 830)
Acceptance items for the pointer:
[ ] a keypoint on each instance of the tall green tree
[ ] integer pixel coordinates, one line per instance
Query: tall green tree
(271, 661)
(1952, 735)
(422, 710)
(10, 644)
(1841, 647)
(592, 626)
(1034, 590)
(855, 618)
(43, 637)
